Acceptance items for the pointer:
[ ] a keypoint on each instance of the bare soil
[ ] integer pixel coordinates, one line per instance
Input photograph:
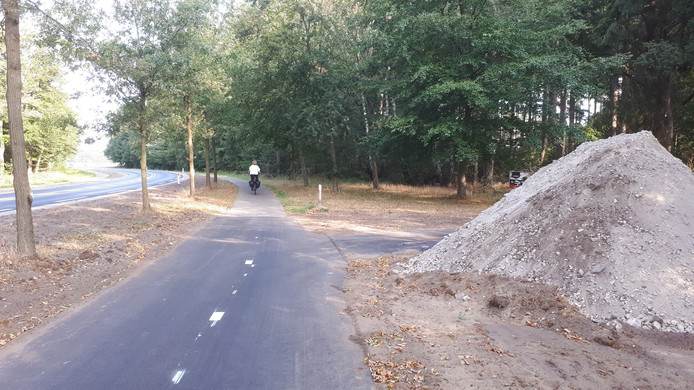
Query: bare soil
(88, 246)
(468, 330)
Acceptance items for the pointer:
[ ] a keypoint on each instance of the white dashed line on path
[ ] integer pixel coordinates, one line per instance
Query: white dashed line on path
(244, 275)
(178, 376)
(234, 292)
(216, 316)
(249, 262)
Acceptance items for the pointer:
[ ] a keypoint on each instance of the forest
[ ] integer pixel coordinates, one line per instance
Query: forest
(418, 92)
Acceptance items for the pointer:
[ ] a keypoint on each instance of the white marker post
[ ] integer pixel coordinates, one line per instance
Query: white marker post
(320, 195)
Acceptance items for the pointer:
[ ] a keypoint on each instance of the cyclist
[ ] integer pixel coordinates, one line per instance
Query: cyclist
(254, 171)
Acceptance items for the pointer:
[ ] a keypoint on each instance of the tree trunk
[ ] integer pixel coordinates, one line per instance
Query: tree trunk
(333, 158)
(143, 169)
(26, 247)
(2, 150)
(562, 120)
(595, 108)
(572, 120)
(214, 159)
(304, 171)
(208, 182)
(439, 174)
(664, 126)
(190, 146)
(372, 164)
(143, 152)
(35, 167)
(277, 163)
(545, 144)
(461, 181)
(547, 119)
(613, 107)
(489, 172)
(375, 181)
(475, 174)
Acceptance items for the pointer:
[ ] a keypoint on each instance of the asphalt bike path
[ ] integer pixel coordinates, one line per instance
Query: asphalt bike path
(249, 301)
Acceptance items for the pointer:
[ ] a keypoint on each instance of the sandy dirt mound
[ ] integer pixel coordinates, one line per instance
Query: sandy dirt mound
(611, 225)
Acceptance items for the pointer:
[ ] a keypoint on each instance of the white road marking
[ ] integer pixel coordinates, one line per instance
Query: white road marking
(252, 265)
(198, 336)
(244, 275)
(178, 376)
(234, 292)
(216, 316)
(79, 200)
(249, 262)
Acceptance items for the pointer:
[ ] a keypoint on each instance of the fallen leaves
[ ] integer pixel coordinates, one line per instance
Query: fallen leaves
(390, 373)
(573, 336)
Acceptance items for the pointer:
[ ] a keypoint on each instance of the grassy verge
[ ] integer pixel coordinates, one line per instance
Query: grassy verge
(56, 176)
(298, 199)
(358, 208)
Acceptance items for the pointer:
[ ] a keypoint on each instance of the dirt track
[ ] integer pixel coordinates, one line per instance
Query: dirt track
(454, 331)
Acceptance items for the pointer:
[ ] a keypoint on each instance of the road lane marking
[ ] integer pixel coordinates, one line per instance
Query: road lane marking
(82, 198)
(252, 265)
(216, 316)
(178, 376)
(234, 292)
(198, 336)
(249, 262)
(244, 275)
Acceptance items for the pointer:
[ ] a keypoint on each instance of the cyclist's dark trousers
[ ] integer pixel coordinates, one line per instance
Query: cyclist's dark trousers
(254, 178)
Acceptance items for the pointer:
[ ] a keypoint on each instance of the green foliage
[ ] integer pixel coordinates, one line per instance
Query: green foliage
(422, 88)
(50, 126)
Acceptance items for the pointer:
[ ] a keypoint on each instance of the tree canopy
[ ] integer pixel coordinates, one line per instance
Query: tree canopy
(421, 92)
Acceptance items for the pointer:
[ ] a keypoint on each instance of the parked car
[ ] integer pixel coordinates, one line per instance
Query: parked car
(517, 178)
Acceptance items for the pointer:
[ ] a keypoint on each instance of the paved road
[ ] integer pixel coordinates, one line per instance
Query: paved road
(122, 180)
(281, 328)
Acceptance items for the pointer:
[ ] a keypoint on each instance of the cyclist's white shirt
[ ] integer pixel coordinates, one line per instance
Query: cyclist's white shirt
(254, 170)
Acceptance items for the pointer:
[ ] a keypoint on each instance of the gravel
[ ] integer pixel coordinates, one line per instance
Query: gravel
(611, 225)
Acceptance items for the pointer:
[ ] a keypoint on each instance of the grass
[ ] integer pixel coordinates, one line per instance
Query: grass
(56, 176)
(298, 199)
(359, 197)
(291, 204)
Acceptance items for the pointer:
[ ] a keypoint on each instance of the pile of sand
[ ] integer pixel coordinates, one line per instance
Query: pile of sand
(611, 225)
